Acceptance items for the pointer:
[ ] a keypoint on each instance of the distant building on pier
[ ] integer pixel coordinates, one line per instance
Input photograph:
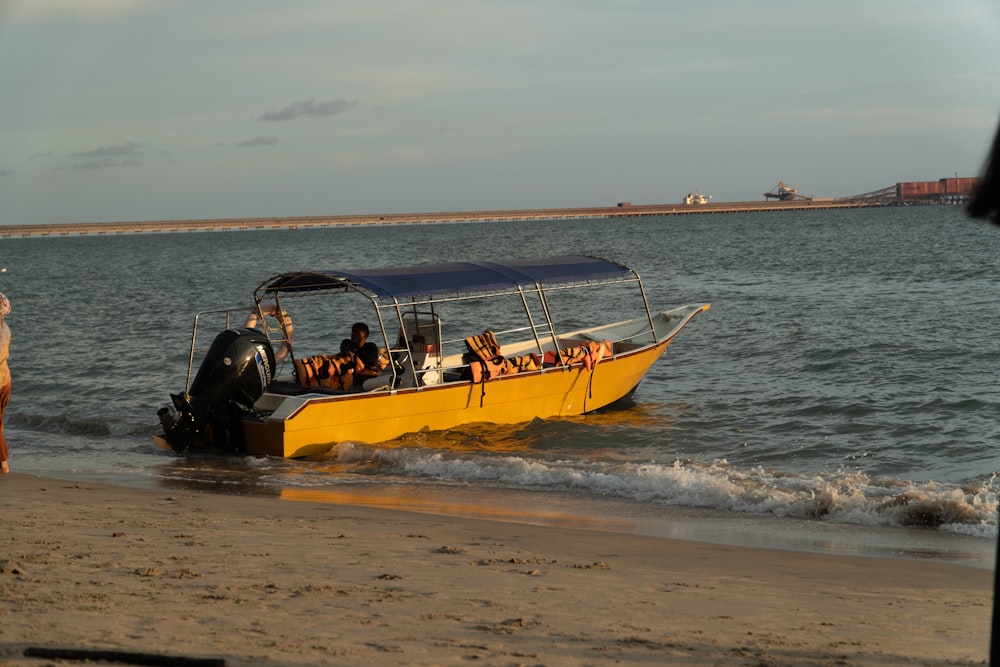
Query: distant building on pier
(945, 190)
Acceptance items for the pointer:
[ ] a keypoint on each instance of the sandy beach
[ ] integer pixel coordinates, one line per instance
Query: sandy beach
(264, 581)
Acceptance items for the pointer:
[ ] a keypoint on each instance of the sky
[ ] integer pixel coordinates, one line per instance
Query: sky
(122, 110)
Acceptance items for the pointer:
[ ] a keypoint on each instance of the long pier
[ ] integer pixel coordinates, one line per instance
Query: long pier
(306, 222)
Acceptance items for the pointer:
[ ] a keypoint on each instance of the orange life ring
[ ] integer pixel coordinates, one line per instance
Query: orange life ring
(284, 323)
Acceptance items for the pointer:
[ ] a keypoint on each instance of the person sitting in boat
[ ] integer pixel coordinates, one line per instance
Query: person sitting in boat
(359, 336)
(369, 362)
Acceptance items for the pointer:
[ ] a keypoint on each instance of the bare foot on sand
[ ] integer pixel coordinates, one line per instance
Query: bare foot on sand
(4, 467)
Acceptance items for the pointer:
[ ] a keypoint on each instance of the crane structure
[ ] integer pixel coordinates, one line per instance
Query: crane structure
(782, 192)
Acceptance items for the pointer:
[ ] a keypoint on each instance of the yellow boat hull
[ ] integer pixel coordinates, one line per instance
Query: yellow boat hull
(313, 424)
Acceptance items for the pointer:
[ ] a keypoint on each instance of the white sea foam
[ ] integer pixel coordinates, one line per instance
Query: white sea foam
(837, 497)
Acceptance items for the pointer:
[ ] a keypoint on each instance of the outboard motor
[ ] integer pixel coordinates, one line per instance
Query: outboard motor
(233, 375)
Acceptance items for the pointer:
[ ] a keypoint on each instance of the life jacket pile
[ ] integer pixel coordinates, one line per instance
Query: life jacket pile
(589, 354)
(484, 358)
(526, 362)
(485, 361)
(335, 371)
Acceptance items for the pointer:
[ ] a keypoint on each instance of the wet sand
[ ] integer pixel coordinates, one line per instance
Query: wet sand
(264, 581)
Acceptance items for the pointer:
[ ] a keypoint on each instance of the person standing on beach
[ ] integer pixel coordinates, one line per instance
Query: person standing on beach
(4, 376)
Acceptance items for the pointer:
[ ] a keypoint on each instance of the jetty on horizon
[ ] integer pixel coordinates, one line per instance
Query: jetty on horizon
(782, 198)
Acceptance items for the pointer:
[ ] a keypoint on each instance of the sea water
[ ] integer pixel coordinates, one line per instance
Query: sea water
(840, 394)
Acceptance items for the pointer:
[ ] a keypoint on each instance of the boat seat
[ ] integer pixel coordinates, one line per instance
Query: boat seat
(455, 375)
(380, 382)
(428, 372)
(291, 388)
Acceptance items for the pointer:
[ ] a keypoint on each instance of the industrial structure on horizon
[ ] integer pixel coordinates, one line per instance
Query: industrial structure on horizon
(955, 190)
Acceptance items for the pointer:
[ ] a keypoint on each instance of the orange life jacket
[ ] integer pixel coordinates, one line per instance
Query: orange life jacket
(484, 358)
(589, 354)
(526, 362)
(335, 371)
(484, 346)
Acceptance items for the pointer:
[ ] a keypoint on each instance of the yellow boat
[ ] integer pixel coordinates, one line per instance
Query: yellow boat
(462, 342)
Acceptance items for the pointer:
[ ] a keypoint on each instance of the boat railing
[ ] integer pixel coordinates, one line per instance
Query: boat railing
(499, 333)
(637, 331)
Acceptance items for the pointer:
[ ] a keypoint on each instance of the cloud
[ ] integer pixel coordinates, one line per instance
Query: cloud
(310, 108)
(6, 172)
(110, 156)
(93, 165)
(129, 148)
(266, 140)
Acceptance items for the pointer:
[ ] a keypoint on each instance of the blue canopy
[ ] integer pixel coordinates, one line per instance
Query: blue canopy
(454, 277)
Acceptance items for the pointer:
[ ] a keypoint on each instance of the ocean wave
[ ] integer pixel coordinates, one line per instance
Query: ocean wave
(847, 497)
(68, 424)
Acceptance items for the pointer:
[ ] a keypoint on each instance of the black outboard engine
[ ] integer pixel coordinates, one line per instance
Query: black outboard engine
(233, 375)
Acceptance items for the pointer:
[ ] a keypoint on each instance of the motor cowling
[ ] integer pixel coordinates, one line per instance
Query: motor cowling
(234, 373)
